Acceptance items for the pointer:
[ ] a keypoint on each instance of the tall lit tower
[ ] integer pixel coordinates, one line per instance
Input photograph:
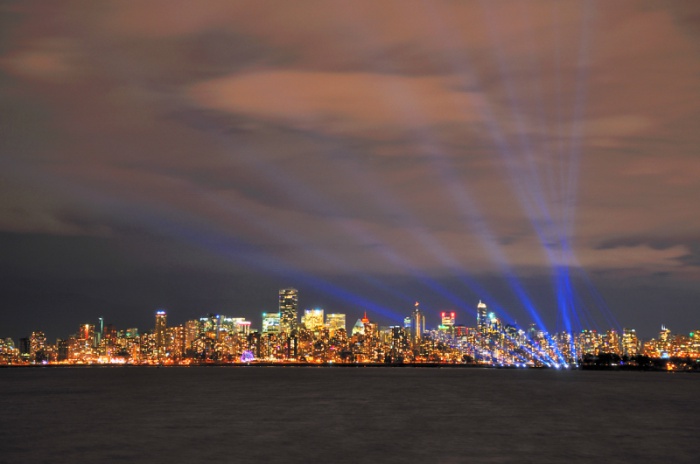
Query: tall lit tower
(313, 319)
(417, 324)
(448, 318)
(160, 331)
(288, 304)
(630, 342)
(100, 335)
(335, 322)
(482, 317)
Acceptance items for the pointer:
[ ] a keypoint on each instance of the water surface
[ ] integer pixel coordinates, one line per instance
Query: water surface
(348, 415)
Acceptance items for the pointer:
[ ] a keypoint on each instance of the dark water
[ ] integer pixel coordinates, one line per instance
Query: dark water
(310, 415)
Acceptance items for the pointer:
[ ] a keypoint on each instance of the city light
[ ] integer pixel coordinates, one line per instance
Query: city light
(218, 339)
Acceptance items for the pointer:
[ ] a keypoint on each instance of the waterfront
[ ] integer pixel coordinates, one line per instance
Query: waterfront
(346, 415)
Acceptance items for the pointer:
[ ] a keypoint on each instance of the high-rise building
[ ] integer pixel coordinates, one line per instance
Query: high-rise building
(288, 309)
(358, 328)
(25, 347)
(335, 322)
(588, 342)
(159, 332)
(271, 322)
(630, 342)
(86, 334)
(237, 325)
(100, 333)
(193, 329)
(417, 324)
(448, 318)
(37, 346)
(482, 317)
(313, 319)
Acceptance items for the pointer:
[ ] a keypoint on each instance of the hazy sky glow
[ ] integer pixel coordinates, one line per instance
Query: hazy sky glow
(541, 156)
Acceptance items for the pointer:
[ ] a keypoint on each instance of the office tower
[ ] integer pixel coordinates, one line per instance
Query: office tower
(243, 327)
(193, 329)
(482, 317)
(159, 332)
(100, 334)
(460, 330)
(448, 318)
(25, 346)
(86, 334)
(37, 346)
(417, 324)
(236, 325)
(611, 343)
(335, 322)
(271, 322)
(588, 342)
(313, 319)
(288, 304)
(358, 328)
(630, 342)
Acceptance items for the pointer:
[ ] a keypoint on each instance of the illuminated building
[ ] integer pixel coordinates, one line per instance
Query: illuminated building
(417, 324)
(663, 345)
(159, 332)
(358, 328)
(63, 349)
(100, 333)
(24, 347)
(109, 332)
(460, 330)
(271, 322)
(288, 309)
(448, 318)
(236, 325)
(588, 342)
(37, 346)
(192, 331)
(86, 334)
(242, 327)
(494, 323)
(313, 319)
(8, 353)
(482, 319)
(335, 322)
(610, 343)
(220, 339)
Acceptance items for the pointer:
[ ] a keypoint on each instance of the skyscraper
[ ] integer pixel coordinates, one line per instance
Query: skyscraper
(482, 317)
(313, 319)
(270, 322)
(630, 342)
(159, 331)
(335, 322)
(448, 318)
(417, 324)
(288, 305)
(86, 334)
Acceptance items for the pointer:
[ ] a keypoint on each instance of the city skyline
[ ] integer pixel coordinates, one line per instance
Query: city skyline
(226, 340)
(539, 156)
(415, 321)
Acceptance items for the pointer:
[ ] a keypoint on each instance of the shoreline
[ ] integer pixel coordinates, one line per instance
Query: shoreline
(624, 368)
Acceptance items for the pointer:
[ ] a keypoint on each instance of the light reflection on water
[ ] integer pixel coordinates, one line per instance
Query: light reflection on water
(303, 415)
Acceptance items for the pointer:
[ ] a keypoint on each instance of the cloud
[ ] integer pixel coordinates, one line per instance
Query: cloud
(341, 103)
(50, 59)
(448, 134)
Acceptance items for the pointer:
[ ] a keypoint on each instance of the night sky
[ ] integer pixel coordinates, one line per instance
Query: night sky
(199, 156)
